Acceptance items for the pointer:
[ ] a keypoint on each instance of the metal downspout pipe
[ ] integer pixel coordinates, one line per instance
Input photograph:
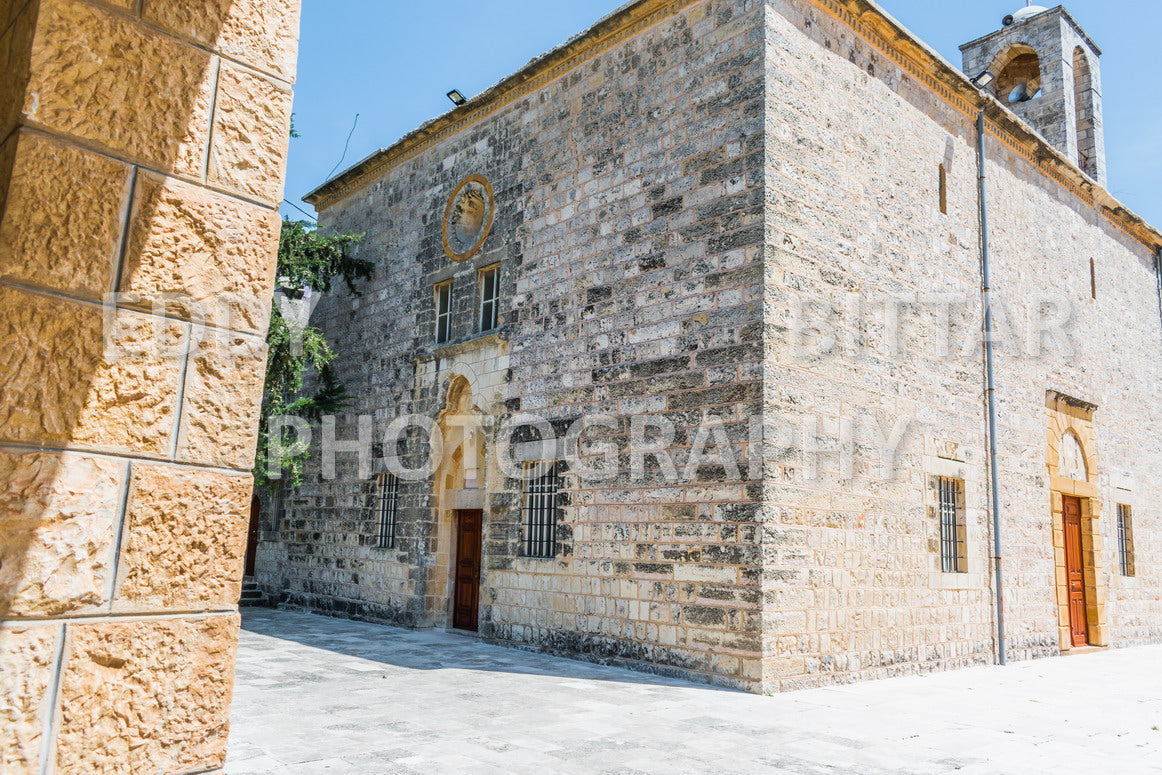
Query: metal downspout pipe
(994, 473)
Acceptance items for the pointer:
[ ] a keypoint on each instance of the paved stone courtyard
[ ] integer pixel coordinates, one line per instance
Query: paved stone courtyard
(320, 695)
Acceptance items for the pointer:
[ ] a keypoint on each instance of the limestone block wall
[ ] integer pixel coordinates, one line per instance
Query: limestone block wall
(628, 231)
(858, 239)
(729, 210)
(141, 165)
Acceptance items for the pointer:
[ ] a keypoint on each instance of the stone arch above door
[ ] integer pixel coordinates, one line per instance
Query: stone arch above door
(1071, 459)
(1070, 453)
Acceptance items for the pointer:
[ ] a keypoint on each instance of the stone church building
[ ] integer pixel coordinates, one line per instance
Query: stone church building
(755, 229)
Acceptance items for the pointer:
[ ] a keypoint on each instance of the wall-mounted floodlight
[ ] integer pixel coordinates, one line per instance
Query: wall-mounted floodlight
(984, 79)
(456, 97)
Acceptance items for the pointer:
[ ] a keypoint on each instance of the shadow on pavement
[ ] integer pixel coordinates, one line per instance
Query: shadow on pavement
(435, 650)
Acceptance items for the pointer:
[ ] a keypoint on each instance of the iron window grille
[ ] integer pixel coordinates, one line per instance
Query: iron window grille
(386, 506)
(540, 509)
(489, 298)
(1126, 539)
(953, 538)
(444, 313)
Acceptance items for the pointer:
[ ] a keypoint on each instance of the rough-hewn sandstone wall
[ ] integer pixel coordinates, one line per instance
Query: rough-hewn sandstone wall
(141, 165)
(629, 219)
(860, 245)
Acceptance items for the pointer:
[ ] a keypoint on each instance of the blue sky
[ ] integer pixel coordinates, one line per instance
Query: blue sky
(392, 62)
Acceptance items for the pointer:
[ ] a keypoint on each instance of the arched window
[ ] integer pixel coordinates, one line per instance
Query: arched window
(1083, 106)
(1018, 70)
(1071, 463)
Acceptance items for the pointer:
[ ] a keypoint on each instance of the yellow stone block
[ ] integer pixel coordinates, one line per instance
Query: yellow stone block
(201, 255)
(251, 135)
(261, 33)
(62, 223)
(1098, 636)
(222, 400)
(185, 538)
(58, 517)
(146, 695)
(27, 653)
(103, 78)
(80, 375)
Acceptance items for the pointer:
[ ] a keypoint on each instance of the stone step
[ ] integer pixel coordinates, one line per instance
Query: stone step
(252, 594)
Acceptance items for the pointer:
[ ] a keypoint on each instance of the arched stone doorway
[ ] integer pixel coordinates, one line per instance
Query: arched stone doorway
(459, 503)
(1076, 508)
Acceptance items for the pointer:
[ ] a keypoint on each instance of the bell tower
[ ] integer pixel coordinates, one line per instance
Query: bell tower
(1047, 70)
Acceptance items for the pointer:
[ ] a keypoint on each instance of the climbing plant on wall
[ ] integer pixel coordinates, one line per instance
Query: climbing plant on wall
(300, 380)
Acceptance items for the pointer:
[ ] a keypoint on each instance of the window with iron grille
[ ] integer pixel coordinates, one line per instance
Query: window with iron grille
(540, 509)
(489, 298)
(386, 505)
(953, 537)
(444, 312)
(1126, 539)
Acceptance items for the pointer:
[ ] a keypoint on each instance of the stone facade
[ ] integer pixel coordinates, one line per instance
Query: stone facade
(142, 153)
(757, 222)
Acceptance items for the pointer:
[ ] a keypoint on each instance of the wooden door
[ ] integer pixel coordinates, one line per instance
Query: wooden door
(252, 537)
(1074, 573)
(466, 599)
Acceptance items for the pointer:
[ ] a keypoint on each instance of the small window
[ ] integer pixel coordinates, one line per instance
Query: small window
(386, 504)
(1093, 278)
(489, 298)
(1126, 539)
(540, 509)
(953, 538)
(943, 190)
(444, 312)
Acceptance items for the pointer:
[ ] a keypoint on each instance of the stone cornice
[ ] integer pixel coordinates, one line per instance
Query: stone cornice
(863, 17)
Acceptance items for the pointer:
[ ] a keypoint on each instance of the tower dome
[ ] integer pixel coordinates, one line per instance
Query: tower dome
(1028, 12)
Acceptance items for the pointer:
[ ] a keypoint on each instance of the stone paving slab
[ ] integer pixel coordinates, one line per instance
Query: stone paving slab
(322, 695)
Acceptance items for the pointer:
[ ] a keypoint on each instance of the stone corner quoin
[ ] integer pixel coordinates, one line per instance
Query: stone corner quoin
(138, 240)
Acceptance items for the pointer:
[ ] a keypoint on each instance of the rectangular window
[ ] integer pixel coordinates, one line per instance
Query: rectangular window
(540, 509)
(953, 538)
(386, 504)
(489, 298)
(444, 312)
(1126, 539)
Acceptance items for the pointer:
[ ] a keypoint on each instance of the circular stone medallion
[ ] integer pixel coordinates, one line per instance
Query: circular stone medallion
(468, 218)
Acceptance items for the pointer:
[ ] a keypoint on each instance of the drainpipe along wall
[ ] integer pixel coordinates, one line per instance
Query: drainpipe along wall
(990, 391)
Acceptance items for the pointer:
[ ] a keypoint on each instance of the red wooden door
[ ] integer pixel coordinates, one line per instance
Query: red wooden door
(252, 537)
(466, 598)
(1074, 575)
